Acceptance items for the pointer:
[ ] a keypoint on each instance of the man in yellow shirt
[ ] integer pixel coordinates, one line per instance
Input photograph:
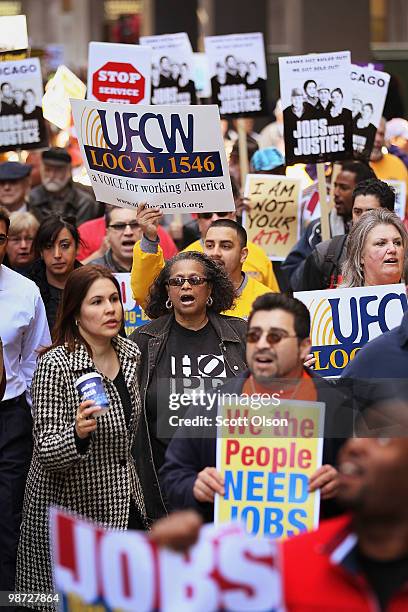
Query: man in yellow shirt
(257, 263)
(386, 166)
(225, 241)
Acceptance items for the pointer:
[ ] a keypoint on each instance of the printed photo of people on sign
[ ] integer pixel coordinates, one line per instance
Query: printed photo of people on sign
(22, 124)
(316, 98)
(369, 89)
(238, 74)
(172, 69)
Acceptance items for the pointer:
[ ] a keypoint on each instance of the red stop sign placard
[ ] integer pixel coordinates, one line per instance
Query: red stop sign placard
(118, 82)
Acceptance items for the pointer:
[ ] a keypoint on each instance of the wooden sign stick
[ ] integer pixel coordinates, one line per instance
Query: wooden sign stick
(324, 209)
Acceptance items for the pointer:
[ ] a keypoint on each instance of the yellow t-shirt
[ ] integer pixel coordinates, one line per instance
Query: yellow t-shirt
(390, 167)
(256, 264)
(147, 266)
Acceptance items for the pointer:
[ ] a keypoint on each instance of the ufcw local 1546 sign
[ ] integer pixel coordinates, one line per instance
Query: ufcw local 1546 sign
(167, 157)
(344, 320)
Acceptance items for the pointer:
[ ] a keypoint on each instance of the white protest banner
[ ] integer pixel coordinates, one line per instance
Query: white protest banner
(400, 189)
(167, 157)
(119, 73)
(316, 98)
(344, 320)
(369, 89)
(266, 461)
(238, 74)
(56, 104)
(22, 123)
(13, 33)
(134, 314)
(273, 220)
(100, 570)
(172, 68)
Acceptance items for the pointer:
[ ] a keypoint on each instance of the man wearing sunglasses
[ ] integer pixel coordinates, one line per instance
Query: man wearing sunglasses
(277, 345)
(123, 231)
(225, 242)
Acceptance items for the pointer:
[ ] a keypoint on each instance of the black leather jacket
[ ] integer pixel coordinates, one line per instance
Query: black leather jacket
(151, 340)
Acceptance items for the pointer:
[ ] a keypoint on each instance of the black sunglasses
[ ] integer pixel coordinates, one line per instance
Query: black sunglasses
(120, 227)
(272, 336)
(178, 281)
(210, 215)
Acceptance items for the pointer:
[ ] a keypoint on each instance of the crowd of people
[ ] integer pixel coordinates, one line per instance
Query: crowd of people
(221, 315)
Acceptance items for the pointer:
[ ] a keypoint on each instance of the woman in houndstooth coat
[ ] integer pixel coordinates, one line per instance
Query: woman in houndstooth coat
(80, 462)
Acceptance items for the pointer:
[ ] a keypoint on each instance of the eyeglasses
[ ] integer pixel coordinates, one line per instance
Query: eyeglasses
(272, 336)
(179, 281)
(3, 238)
(120, 227)
(210, 215)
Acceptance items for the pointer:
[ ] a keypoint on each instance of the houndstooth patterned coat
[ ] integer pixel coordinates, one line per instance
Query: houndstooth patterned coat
(97, 484)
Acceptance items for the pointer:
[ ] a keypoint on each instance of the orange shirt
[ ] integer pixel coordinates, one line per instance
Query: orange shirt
(304, 390)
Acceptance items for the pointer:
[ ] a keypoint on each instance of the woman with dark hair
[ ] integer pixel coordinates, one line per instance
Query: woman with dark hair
(188, 347)
(56, 245)
(81, 462)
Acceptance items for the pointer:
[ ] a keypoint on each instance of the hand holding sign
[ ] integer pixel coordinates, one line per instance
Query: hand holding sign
(208, 482)
(326, 478)
(149, 219)
(178, 531)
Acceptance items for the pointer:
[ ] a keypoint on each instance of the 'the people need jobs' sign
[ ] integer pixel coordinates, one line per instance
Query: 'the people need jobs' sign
(167, 157)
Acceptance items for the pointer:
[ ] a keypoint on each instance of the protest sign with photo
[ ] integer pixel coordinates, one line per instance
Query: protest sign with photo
(100, 570)
(167, 157)
(172, 69)
(134, 314)
(238, 74)
(369, 89)
(56, 104)
(316, 98)
(119, 73)
(273, 220)
(400, 189)
(22, 124)
(266, 457)
(344, 320)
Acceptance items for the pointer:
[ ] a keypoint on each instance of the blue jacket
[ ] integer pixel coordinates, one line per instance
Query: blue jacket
(187, 456)
(295, 262)
(379, 370)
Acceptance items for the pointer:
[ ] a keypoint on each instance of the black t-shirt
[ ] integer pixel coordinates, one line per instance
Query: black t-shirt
(51, 305)
(191, 360)
(384, 577)
(124, 395)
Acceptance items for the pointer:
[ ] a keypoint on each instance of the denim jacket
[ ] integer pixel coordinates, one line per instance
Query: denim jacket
(151, 340)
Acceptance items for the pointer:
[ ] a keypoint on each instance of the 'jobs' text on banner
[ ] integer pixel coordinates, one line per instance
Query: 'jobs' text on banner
(101, 571)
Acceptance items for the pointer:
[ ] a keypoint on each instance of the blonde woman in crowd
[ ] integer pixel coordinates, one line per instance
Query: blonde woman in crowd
(376, 251)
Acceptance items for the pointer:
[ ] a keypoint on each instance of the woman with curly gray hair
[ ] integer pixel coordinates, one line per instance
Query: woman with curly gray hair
(376, 250)
(188, 347)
